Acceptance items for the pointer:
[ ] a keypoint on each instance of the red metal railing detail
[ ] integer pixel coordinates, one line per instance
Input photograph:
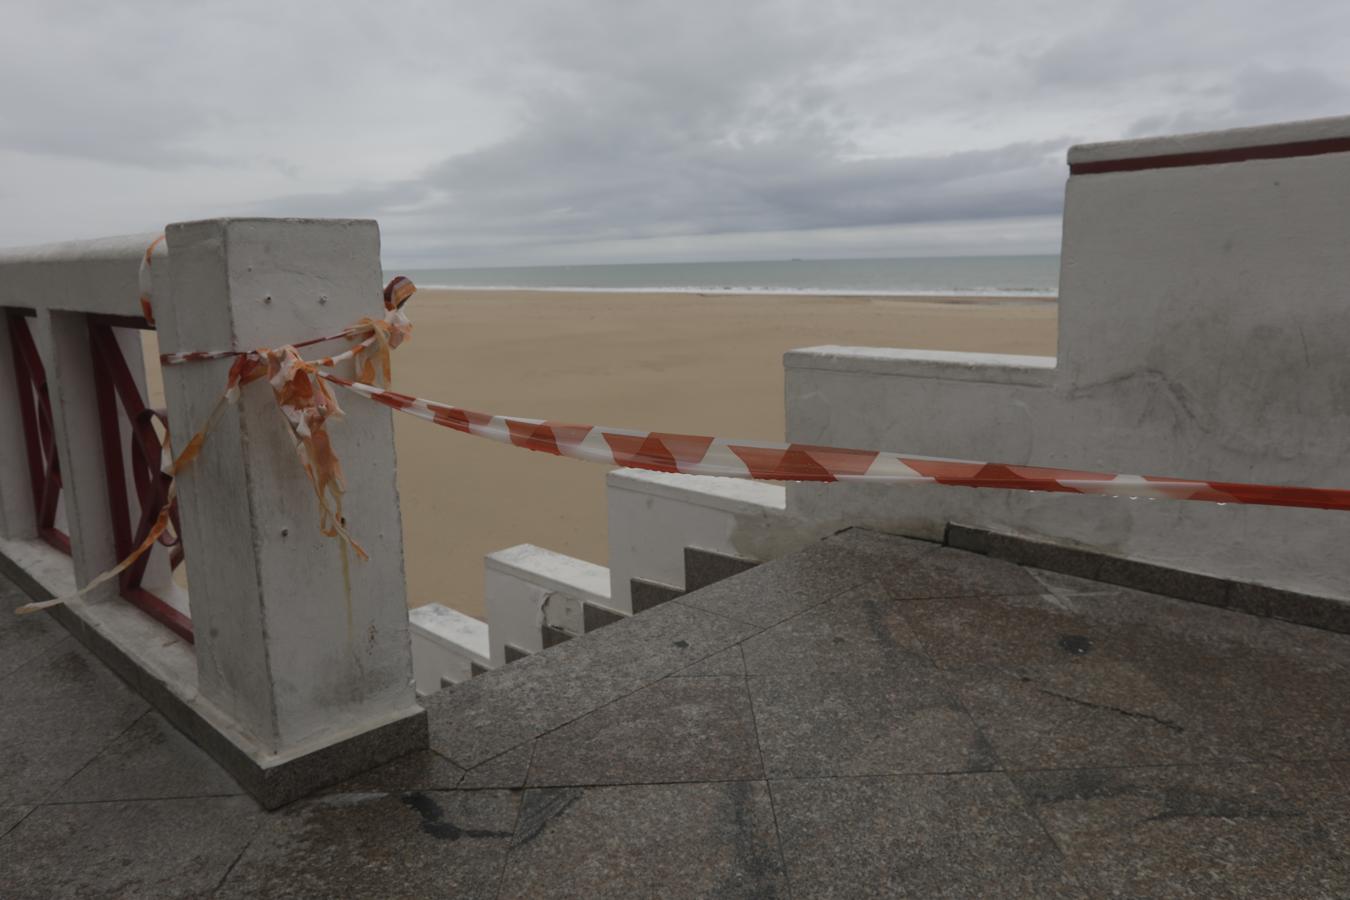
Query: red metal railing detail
(116, 387)
(35, 410)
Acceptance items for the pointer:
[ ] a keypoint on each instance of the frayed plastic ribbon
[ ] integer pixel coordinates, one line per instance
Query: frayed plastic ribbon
(306, 403)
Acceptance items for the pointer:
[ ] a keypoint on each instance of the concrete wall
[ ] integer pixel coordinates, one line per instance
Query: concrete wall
(1204, 312)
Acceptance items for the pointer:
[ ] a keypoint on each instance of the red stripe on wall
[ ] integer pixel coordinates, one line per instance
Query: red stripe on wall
(1214, 157)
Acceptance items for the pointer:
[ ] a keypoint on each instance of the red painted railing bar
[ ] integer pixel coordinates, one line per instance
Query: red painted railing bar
(35, 413)
(115, 386)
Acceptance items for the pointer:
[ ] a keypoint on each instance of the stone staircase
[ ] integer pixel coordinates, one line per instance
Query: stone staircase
(668, 535)
(537, 599)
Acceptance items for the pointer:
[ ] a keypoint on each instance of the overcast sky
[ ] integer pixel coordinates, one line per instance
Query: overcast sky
(543, 131)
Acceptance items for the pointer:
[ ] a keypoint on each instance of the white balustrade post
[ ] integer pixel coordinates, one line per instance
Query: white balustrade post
(64, 339)
(300, 645)
(17, 521)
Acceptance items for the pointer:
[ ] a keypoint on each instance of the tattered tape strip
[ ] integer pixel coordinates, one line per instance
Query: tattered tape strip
(184, 459)
(305, 401)
(143, 277)
(692, 454)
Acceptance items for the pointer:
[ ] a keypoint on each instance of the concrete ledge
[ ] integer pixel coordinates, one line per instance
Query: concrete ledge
(162, 668)
(555, 571)
(451, 628)
(100, 275)
(446, 645)
(989, 368)
(1212, 141)
(1326, 613)
(727, 494)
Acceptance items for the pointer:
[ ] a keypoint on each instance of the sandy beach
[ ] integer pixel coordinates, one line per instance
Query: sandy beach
(700, 363)
(708, 364)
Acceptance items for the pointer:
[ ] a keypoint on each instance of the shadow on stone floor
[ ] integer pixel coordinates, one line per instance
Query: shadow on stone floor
(869, 717)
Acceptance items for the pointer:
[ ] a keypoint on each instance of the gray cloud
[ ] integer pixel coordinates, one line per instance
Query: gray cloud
(539, 131)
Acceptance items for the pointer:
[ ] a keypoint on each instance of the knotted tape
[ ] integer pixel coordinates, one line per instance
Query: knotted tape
(304, 398)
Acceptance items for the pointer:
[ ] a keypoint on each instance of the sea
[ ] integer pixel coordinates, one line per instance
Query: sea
(1011, 276)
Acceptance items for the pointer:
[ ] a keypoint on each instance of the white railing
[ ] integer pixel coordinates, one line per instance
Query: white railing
(283, 647)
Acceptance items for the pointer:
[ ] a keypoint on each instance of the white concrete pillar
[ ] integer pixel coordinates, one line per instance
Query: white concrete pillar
(301, 650)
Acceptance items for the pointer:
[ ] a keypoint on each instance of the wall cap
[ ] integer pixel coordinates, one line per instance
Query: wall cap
(994, 368)
(1279, 134)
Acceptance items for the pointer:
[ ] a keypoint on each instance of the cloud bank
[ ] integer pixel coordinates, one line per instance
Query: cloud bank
(546, 132)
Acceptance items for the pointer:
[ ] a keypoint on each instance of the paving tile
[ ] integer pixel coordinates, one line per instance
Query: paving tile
(508, 770)
(1094, 711)
(1091, 711)
(668, 841)
(417, 844)
(1250, 831)
(957, 573)
(1214, 631)
(59, 712)
(422, 770)
(1266, 708)
(11, 816)
(23, 638)
(1165, 625)
(1040, 629)
(883, 553)
(1063, 583)
(477, 720)
(1311, 646)
(916, 836)
(485, 716)
(155, 848)
(1010, 630)
(901, 720)
(724, 662)
(776, 590)
(679, 729)
(150, 761)
(862, 630)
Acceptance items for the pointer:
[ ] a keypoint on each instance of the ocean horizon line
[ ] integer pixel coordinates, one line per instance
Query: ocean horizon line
(973, 293)
(1008, 277)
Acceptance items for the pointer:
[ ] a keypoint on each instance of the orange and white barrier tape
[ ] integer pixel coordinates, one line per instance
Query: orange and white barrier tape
(308, 405)
(303, 398)
(692, 454)
(143, 277)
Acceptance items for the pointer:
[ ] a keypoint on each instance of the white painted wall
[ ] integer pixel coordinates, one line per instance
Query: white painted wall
(1204, 315)
(653, 516)
(527, 587)
(445, 645)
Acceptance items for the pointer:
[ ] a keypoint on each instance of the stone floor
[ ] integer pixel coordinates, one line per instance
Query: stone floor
(867, 717)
